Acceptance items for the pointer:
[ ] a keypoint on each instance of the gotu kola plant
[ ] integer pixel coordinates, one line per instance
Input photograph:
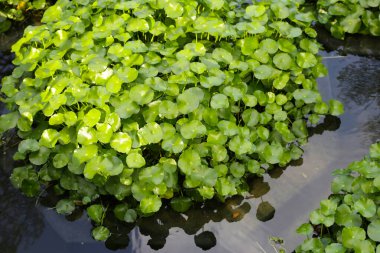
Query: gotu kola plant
(151, 100)
(349, 220)
(350, 16)
(15, 10)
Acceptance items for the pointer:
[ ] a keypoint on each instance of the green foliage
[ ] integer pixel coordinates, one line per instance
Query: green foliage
(146, 100)
(348, 16)
(349, 220)
(16, 9)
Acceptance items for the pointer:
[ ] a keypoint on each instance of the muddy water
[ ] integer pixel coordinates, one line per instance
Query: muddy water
(278, 203)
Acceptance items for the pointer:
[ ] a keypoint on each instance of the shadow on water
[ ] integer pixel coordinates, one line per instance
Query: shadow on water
(20, 222)
(158, 227)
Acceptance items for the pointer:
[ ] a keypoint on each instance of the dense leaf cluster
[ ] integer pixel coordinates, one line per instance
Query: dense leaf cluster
(147, 100)
(350, 16)
(349, 220)
(14, 10)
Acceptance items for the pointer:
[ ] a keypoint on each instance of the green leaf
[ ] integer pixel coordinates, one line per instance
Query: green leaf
(8, 121)
(141, 94)
(150, 204)
(98, 64)
(283, 61)
(28, 145)
(373, 230)
(215, 4)
(52, 14)
(317, 217)
(174, 9)
(254, 11)
(374, 151)
(305, 229)
(273, 153)
(121, 142)
(65, 206)
(336, 108)
(127, 74)
(96, 213)
(85, 153)
(189, 160)
(189, 100)
(174, 144)
(237, 169)
(181, 204)
(193, 129)
(40, 157)
(130, 216)
(222, 55)
(328, 207)
(135, 160)
(150, 133)
(137, 25)
(86, 136)
(306, 60)
(351, 236)
(263, 72)
(365, 207)
(335, 248)
(168, 109)
(344, 216)
(307, 96)
(101, 233)
(92, 117)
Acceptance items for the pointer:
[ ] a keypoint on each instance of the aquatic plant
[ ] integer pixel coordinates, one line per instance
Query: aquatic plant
(349, 219)
(14, 10)
(350, 16)
(146, 100)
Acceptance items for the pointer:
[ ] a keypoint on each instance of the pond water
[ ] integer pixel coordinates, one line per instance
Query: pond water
(284, 198)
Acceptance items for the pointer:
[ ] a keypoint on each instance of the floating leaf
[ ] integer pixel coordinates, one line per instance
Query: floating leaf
(65, 206)
(96, 213)
(181, 204)
(101, 233)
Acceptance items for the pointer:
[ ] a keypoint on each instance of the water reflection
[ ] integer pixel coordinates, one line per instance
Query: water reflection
(195, 222)
(359, 87)
(355, 44)
(20, 222)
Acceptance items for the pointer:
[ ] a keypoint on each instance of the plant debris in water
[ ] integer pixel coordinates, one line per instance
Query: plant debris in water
(149, 100)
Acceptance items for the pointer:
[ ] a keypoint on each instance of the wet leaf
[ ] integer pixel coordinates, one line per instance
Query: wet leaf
(101, 233)
(96, 213)
(65, 206)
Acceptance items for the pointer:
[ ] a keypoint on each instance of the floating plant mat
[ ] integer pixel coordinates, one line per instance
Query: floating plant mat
(144, 101)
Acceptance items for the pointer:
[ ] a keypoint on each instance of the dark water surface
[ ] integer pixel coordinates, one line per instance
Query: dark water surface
(286, 195)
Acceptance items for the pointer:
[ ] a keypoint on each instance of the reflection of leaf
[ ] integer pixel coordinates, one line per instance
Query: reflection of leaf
(359, 82)
(265, 211)
(21, 221)
(205, 240)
